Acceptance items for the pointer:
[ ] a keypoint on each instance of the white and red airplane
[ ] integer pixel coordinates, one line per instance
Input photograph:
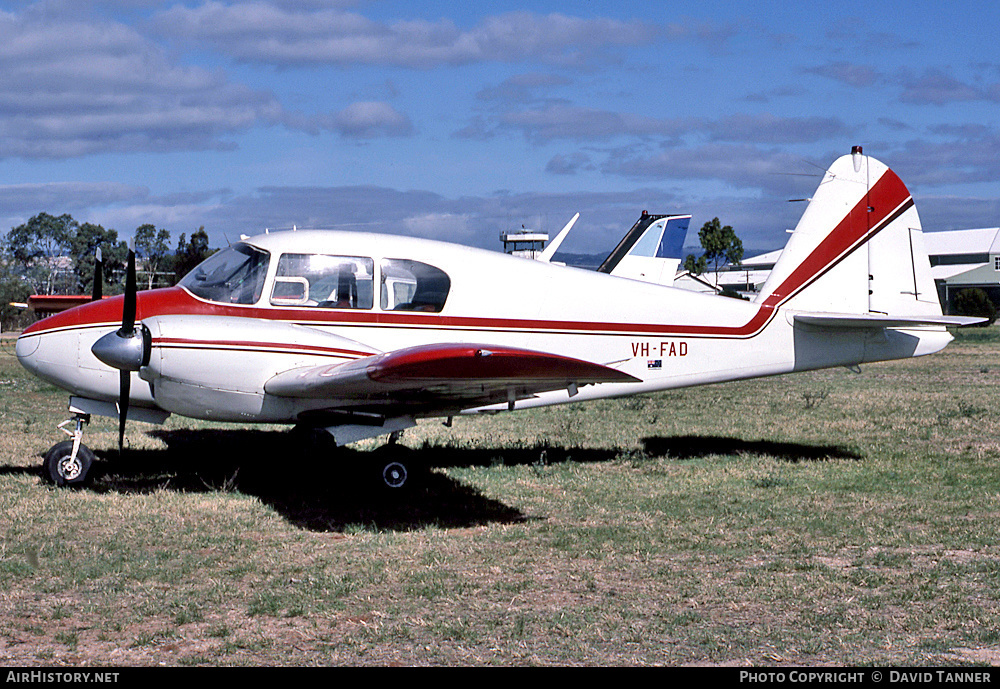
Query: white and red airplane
(363, 334)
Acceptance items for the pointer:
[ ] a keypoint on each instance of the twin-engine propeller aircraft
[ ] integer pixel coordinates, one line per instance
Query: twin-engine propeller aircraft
(362, 334)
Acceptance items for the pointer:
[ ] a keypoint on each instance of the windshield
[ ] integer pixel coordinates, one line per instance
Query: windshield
(234, 275)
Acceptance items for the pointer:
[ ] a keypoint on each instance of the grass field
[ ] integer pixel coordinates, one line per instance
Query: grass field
(821, 518)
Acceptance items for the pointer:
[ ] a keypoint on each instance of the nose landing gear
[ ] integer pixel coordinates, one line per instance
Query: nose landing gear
(68, 463)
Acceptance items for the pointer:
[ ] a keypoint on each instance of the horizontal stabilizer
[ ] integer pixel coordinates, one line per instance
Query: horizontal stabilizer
(875, 320)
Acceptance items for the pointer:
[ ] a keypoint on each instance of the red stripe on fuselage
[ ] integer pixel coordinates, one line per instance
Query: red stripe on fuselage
(887, 197)
(177, 301)
(257, 346)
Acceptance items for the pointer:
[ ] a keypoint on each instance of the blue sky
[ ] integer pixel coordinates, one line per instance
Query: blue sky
(460, 121)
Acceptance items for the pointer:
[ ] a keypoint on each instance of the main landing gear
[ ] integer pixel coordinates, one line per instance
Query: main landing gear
(68, 463)
(392, 462)
(390, 467)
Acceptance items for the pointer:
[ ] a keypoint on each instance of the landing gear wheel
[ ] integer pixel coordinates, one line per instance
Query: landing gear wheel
(63, 469)
(395, 468)
(394, 474)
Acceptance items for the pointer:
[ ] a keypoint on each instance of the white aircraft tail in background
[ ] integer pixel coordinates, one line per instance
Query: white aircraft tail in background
(651, 250)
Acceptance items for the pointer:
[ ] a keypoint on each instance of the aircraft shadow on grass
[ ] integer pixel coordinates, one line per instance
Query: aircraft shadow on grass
(697, 446)
(322, 488)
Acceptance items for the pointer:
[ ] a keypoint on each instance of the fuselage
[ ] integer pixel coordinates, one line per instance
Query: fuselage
(288, 300)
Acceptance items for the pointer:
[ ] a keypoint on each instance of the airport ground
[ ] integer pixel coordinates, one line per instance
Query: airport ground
(827, 518)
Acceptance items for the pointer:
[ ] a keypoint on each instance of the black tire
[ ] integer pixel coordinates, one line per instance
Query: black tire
(395, 475)
(59, 470)
(395, 468)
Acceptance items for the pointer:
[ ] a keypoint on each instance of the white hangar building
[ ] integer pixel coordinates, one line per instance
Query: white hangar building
(962, 259)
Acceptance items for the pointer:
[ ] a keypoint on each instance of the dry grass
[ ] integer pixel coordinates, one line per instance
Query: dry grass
(823, 518)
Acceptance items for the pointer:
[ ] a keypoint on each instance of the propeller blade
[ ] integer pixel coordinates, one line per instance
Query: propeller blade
(125, 383)
(127, 334)
(127, 348)
(128, 309)
(98, 276)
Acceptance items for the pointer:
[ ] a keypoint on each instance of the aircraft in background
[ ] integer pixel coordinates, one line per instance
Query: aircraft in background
(650, 251)
(361, 335)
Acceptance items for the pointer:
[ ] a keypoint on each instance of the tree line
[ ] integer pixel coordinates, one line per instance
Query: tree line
(52, 254)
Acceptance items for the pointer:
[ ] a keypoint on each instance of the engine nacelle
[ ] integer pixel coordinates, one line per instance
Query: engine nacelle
(214, 368)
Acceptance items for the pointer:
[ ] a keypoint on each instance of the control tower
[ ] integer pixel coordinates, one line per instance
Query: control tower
(523, 242)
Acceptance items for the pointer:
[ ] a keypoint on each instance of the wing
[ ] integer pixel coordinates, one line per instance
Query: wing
(440, 377)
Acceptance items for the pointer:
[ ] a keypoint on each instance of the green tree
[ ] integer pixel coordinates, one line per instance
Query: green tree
(695, 266)
(37, 249)
(153, 247)
(13, 289)
(975, 302)
(83, 246)
(721, 245)
(191, 253)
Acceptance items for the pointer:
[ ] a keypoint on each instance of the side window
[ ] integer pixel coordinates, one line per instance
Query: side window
(324, 281)
(413, 286)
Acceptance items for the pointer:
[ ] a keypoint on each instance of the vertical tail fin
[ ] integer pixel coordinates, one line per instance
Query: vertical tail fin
(858, 248)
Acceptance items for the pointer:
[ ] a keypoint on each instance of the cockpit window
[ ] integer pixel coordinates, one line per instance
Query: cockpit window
(336, 282)
(234, 275)
(413, 286)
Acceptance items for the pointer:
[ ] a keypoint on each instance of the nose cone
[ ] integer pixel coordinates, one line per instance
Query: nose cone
(122, 351)
(26, 347)
(52, 356)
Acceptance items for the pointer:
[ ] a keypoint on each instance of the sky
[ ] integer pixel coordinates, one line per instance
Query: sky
(458, 121)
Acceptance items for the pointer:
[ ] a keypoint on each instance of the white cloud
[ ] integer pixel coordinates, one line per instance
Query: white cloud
(936, 87)
(740, 166)
(569, 164)
(368, 119)
(772, 129)
(23, 201)
(267, 33)
(455, 227)
(562, 121)
(72, 89)
(848, 73)
(60, 197)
